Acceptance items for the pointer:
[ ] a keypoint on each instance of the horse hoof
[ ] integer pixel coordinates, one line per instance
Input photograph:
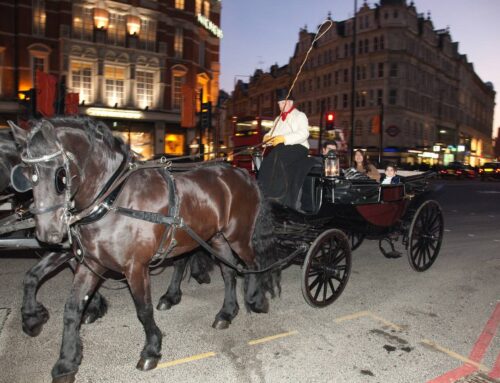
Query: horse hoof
(162, 306)
(33, 331)
(69, 378)
(89, 318)
(146, 364)
(203, 278)
(221, 324)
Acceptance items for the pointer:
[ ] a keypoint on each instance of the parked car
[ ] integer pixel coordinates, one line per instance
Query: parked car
(457, 170)
(489, 170)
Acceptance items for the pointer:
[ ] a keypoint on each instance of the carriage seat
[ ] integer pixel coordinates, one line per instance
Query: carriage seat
(311, 191)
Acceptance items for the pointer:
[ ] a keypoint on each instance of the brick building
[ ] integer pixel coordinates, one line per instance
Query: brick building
(435, 107)
(138, 65)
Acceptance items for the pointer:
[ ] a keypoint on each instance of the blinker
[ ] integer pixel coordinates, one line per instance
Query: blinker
(19, 181)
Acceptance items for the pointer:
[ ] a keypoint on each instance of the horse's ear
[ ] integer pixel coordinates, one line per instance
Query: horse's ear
(20, 134)
(49, 131)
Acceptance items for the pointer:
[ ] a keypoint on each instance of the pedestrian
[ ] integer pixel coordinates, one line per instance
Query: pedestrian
(362, 165)
(390, 177)
(284, 169)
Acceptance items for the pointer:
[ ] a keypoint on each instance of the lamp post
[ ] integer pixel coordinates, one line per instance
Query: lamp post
(353, 80)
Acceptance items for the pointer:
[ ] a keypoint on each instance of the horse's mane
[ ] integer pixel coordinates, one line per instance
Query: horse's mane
(96, 131)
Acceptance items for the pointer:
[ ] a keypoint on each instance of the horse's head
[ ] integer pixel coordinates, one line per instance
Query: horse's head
(47, 168)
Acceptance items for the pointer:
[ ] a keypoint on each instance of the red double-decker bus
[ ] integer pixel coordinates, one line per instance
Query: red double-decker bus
(248, 132)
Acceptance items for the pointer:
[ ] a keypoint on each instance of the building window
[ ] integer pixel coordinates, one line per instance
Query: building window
(37, 64)
(206, 9)
(177, 81)
(179, 4)
(380, 69)
(201, 53)
(381, 42)
(114, 79)
(81, 80)
(346, 75)
(39, 17)
(144, 82)
(375, 44)
(393, 97)
(83, 23)
(380, 96)
(393, 72)
(178, 42)
(116, 29)
(148, 34)
(197, 9)
(344, 101)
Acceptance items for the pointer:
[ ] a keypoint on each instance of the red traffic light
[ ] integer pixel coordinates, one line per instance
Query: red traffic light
(330, 117)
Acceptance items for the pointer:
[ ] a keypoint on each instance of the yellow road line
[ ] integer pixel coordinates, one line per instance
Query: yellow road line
(386, 322)
(186, 360)
(352, 316)
(455, 355)
(270, 338)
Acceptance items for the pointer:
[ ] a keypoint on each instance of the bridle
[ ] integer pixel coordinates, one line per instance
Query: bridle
(67, 181)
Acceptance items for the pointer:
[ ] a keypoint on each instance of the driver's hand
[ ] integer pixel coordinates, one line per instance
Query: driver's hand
(266, 138)
(278, 140)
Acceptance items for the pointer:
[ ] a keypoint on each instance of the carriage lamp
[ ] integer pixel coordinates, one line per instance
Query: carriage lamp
(101, 16)
(331, 165)
(256, 160)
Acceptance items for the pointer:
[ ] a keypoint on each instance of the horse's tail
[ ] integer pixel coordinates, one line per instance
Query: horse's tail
(264, 246)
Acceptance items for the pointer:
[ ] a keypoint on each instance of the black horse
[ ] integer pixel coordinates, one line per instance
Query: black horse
(71, 162)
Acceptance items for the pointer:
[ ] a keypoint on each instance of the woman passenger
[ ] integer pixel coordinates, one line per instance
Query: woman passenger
(362, 165)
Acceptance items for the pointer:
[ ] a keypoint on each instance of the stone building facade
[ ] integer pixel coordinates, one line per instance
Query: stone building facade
(138, 65)
(435, 107)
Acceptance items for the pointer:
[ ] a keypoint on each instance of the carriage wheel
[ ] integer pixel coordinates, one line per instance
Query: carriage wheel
(326, 269)
(425, 236)
(355, 239)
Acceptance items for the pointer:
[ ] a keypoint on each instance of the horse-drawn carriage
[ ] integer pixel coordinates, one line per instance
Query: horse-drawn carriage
(86, 189)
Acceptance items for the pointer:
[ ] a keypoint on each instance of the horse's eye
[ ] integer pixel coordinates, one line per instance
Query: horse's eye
(60, 180)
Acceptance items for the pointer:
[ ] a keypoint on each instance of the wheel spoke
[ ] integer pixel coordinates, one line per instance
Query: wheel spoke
(337, 260)
(330, 283)
(315, 282)
(318, 290)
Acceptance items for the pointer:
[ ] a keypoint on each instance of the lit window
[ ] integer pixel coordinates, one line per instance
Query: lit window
(144, 88)
(198, 6)
(148, 34)
(83, 23)
(81, 80)
(179, 4)
(39, 17)
(178, 81)
(116, 29)
(178, 42)
(114, 85)
(207, 9)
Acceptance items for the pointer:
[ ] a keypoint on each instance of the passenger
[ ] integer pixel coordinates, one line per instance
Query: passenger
(362, 165)
(390, 177)
(283, 171)
(327, 146)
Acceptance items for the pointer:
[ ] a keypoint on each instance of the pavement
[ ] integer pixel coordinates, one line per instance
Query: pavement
(390, 325)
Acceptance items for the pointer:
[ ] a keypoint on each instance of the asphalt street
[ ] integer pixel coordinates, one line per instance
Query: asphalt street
(390, 325)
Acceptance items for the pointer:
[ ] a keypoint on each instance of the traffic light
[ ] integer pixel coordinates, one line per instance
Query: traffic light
(206, 115)
(28, 101)
(330, 120)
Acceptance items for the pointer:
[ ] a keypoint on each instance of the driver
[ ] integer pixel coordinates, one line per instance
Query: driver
(283, 170)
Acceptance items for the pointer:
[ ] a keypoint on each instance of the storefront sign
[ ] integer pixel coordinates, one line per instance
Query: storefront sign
(429, 155)
(461, 148)
(436, 148)
(209, 26)
(115, 113)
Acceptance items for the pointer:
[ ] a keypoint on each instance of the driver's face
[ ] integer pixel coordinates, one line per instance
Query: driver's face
(285, 105)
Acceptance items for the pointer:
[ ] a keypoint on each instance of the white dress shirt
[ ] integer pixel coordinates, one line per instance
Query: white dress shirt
(295, 128)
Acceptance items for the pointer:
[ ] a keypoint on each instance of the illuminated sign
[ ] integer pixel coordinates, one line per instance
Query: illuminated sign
(461, 148)
(429, 155)
(211, 27)
(436, 148)
(115, 113)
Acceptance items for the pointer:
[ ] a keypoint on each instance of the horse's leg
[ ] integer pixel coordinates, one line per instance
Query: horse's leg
(139, 283)
(200, 267)
(84, 285)
(230, 307)
(34, 314)
(97, 307)
(174, 293)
